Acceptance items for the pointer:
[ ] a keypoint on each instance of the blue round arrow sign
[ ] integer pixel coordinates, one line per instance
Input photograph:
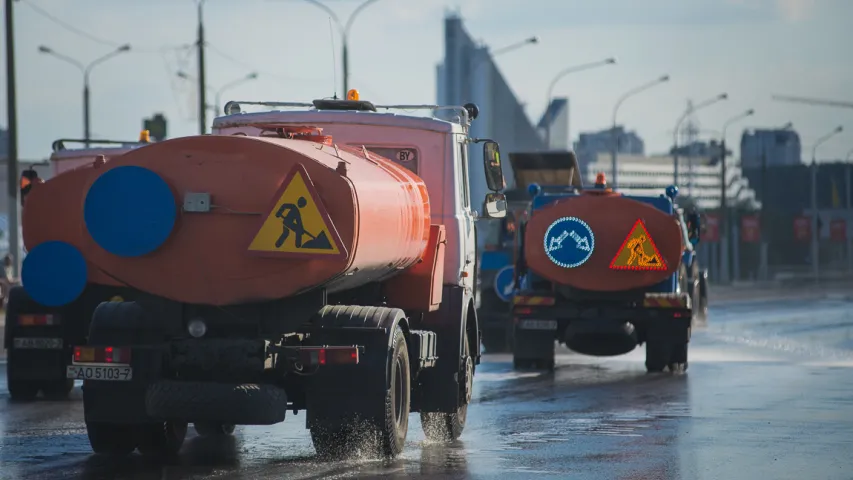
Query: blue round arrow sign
(569, 242)
(505, 283)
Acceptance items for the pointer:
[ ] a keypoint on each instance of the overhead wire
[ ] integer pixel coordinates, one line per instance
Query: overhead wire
(71, 28)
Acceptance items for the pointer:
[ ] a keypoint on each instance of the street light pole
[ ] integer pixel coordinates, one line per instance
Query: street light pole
(614, 139)
(202, 85)
(557, 78)
(481, 54)
(815, 237)
(849, 210)
(344, 31)
(687, 113)
(724, 190)
(813, 101)
(249, 77)
(86, 70)
(12, 157)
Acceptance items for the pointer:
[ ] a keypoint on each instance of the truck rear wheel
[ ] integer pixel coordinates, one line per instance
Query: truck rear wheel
(22, 391)
(211, 429)
(58, 389)
(390, 430)
(19, 390)
(661, 355)
(162, 438)
(109, 439)
(444, 427)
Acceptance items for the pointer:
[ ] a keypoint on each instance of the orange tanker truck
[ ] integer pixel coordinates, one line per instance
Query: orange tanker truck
(286, 266)
(603, 272)
(40, 338)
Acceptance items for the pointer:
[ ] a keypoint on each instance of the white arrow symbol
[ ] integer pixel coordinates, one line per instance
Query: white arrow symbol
(582, 242)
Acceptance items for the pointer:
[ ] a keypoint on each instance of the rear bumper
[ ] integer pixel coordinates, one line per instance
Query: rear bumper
(656, 315)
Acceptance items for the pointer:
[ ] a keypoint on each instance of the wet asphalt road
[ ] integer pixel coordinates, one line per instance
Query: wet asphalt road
(769, 394)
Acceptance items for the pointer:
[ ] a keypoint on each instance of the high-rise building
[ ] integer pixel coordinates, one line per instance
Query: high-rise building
(775, 147)
(554, 124)
(590, 145)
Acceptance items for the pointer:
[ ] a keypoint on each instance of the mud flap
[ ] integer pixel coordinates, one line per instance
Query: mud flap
(438, 389)
(338, 393)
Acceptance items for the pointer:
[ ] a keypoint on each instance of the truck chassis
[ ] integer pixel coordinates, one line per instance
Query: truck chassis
(356, 370)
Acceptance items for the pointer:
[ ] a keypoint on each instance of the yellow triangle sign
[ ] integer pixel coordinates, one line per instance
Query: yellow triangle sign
(297, 223)
(638, 252)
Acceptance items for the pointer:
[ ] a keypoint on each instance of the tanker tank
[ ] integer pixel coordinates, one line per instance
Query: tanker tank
(223, 220)
(606, 221)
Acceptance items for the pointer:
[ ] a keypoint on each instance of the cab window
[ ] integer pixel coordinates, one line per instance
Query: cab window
(406, 157)
(463, 174)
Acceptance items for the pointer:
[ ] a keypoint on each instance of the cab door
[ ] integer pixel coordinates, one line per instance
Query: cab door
(467, 233)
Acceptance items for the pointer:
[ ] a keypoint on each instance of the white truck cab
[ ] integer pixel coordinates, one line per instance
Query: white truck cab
(435, 149)
(63, 159)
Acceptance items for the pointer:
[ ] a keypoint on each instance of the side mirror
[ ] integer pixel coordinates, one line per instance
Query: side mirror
(495, 205)
(28, 178)
(492, 166)
(694, 228)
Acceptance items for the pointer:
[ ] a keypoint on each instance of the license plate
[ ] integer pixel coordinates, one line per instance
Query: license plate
(538, 324)
(40, 343)
(110, 373)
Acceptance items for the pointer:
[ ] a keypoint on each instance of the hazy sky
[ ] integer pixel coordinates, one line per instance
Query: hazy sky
(750, 49)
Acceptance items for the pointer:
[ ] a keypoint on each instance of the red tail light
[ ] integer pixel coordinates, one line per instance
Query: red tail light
(37, 320)
(311, 356)
(113, 355)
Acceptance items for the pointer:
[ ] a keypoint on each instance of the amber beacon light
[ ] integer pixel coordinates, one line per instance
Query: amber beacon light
(352, 94)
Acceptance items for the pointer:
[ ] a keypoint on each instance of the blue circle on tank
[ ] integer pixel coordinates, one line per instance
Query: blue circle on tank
(569, 242)
(130, 211)
(54, 273)
(505, 283)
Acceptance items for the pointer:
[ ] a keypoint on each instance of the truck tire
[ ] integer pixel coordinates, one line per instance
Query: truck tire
(662, 354)
(58, 389)
(213, 429)
(391, 430)
(447, 427)
(109, 439)
(161, 438)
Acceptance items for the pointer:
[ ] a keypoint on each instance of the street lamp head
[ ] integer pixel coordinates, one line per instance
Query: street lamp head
(44, 49)
(610, 60)
(750, 112)
(723, 96)
(252, 76)
(124, 48)
(534, 39)
(183, 75)
(839, 129)
(664, 78)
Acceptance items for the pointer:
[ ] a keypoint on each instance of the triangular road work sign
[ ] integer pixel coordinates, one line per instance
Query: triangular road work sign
(297, 224)
(638, 252)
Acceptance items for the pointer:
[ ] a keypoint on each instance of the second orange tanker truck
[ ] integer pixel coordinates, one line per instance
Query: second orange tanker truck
(319, 259)
(603, 272)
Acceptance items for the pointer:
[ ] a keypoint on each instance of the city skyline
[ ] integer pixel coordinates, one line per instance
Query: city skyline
(740, 47)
